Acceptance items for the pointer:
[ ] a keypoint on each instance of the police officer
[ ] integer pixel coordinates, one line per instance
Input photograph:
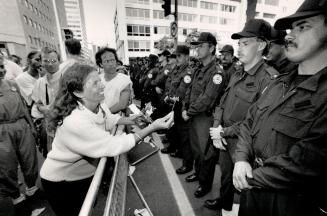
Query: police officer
(281, 155)
(148, 74)
(180, 82)
(276, 55)
(205, 90)
(158, 83)
(244, 88)
(228, 61)
(166, 104)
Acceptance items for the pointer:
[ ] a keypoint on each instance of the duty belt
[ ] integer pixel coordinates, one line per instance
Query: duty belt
(10, 121)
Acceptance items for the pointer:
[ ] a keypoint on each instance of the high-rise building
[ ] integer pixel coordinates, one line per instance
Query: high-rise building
(76, 23)
(27, 25)
(140, 24)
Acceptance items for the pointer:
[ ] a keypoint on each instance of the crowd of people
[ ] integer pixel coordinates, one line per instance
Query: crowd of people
(261, 116)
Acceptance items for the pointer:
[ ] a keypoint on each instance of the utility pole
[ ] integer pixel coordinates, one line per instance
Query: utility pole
(176, 21)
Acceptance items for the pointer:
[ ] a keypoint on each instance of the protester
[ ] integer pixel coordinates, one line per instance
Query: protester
(17, 148)
(73, 51)
(27, 80)
(44, 92)
(281, 155)
(82, 136)
(12, 69)
(117, 85)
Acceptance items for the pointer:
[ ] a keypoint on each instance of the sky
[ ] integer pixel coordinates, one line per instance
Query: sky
(99, 20)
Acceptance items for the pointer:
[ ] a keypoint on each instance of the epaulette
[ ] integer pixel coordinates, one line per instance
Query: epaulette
(272, 72)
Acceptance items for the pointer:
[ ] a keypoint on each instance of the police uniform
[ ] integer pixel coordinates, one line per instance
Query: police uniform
(205, 90)
(244, 88)
(284, 139)
(180, 83)
(17, 144)
(157, 100)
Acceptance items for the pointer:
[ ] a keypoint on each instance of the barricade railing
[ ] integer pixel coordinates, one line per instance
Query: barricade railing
(92, 193)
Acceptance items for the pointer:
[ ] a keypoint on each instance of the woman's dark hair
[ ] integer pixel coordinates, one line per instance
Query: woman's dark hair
(65, 102)
(98, 55)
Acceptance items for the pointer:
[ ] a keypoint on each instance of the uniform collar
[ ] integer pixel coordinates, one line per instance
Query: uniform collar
(255, 68)
(312, 83)
(212, 62)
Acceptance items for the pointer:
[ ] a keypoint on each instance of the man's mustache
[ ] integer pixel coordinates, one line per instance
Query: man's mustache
(290, 43)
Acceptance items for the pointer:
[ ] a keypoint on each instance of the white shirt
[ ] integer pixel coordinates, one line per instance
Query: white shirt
(43, 88)
(26, 84)
(81, 137)
(114, 87)
(13, 69)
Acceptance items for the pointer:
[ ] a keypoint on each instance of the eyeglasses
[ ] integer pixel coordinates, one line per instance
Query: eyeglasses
(52, 61)
(109, 61)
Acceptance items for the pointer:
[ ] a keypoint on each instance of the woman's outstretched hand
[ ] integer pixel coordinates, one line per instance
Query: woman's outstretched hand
(165, 122)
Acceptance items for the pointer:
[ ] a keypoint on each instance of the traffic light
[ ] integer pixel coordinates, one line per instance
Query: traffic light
(166, 6)
(68, 33)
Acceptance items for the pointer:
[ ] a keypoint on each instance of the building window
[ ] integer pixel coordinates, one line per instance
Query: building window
(185, 3)
(138, 30)
(146, 2)
(225, 21)
(26, 3)
(138, 46)
(30, 39)
(160, 15)
(268, 15)
(142, 14)
(208, 19)
(25, 19)
(161, 30)
(272, 2)
(186, 17)
(30, 22)
(209, 5)
(228, 8)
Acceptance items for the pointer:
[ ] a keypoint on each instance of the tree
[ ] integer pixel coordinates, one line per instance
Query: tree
(165, 43)
(250, 10)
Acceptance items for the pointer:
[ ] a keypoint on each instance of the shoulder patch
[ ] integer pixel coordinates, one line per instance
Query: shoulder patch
(272, 72)
(217, 79)
(166, 72)
(187, 79)
(150, 75)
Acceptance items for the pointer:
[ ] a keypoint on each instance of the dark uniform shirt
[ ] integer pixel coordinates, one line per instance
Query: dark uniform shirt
(181, 81)
(170, 77)
(244, 88)
(284, 66)
(206, 88)
(160, 79)
(284, 135)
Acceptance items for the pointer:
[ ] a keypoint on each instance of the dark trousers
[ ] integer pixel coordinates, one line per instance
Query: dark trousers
(257, 202)
(6, 206)
(66, 198)
(227, 189)
(17, 147)
(184, 141)
(206, 156)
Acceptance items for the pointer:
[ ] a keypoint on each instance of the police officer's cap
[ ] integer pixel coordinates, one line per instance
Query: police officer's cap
(227, 48)
(308, 9)
(254, 28)
(278, 36)
(153, 58)
(164, 53)
(182, 49)
(205, 37)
